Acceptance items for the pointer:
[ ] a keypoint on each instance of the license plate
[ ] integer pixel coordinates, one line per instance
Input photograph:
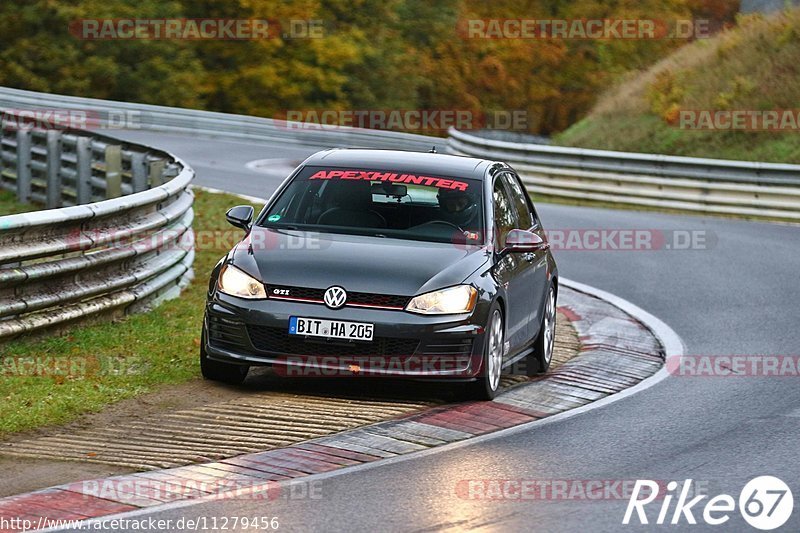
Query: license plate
(336, 329)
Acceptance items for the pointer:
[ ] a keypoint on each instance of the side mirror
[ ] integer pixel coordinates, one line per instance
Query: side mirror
(524, 241)
(240, 216)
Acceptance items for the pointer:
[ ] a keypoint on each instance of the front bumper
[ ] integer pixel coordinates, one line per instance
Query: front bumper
(255, 332)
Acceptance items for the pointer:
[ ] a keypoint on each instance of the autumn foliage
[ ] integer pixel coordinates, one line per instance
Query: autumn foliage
(373, 54)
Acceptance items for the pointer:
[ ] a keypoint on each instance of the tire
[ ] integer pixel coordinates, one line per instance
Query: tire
(229, 373)
(486, 386)
(538, 362)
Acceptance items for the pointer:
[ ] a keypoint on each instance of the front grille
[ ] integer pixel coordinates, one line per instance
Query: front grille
(304, 293)
(278, 340)
(455, 347)
(226, 333)
(353, 298)
(382, 300)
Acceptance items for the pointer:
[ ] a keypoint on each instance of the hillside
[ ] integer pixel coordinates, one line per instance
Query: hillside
(749, 73)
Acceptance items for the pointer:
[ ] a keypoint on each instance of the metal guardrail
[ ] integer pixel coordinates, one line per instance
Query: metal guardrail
(180, 120)
(715, 186)
(669, 182)
(118, 236)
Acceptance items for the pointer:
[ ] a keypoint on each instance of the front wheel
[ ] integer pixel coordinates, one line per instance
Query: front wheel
(488, 382)
(230, 373)
(539, 360)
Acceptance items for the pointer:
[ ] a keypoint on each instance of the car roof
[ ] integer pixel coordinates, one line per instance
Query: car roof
(417, 162)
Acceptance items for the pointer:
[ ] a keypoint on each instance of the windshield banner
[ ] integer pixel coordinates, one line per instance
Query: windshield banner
(393, 177)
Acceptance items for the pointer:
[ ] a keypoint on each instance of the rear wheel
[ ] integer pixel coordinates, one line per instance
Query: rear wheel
(539, 360)
(230, 373)
(488, 382)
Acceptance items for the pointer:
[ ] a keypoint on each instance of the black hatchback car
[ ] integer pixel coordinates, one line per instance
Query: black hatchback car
(386, 263)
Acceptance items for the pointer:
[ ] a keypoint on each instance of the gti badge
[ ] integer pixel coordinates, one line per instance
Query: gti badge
(335, 297)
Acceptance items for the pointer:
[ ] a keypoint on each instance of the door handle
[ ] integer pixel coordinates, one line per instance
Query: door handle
(529, 257)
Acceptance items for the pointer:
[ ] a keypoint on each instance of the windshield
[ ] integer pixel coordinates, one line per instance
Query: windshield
(383, 203)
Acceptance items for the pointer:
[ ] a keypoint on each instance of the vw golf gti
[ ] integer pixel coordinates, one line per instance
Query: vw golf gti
(386, 263)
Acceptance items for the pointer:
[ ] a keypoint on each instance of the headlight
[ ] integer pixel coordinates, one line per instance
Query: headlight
(236, 283)
(452, 301)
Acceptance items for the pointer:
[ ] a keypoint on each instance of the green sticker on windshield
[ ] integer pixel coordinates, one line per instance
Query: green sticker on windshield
(274, 218)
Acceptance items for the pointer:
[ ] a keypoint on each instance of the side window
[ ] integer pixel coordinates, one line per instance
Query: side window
(521, 201)
(505, 219)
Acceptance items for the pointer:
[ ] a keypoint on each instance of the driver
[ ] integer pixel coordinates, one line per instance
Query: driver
(458, 207)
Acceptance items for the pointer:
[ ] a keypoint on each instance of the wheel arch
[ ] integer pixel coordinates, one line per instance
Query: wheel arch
(501, 304)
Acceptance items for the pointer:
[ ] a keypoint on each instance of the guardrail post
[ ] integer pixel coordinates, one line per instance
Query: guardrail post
(2, 135)
(113, 171)
(83, 186)
(23, 165)
(157, 172)
(138, 172)
(53, 192)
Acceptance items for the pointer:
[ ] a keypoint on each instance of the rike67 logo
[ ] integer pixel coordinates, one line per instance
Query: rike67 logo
(765, 503)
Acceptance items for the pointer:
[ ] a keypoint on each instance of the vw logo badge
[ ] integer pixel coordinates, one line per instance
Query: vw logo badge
(335, 297)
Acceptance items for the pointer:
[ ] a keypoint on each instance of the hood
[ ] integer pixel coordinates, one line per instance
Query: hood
(357, 263)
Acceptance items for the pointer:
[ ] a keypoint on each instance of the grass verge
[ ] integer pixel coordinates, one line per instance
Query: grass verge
(53, 380)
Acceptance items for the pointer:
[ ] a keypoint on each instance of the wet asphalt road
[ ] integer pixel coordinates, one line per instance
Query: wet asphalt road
(737, 295)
